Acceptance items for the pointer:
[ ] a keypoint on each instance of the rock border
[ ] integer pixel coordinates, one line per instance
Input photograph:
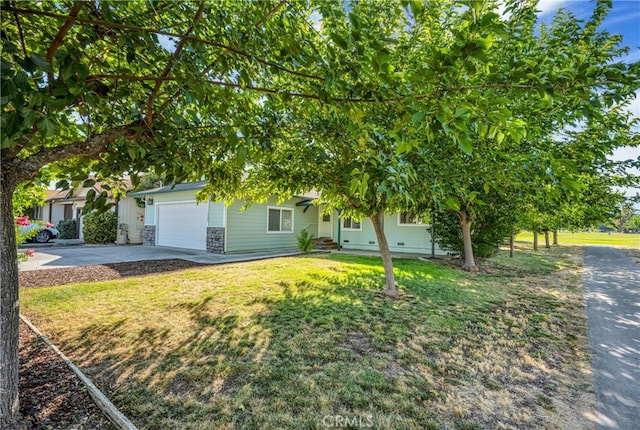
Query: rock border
(115, 416)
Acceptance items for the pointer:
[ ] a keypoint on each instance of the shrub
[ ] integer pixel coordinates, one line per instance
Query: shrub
(100, 227)
(305, 241)
(490, 228)
(67, 229)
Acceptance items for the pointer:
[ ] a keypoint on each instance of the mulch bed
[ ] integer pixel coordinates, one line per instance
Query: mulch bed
(51, 395)
(103, 272)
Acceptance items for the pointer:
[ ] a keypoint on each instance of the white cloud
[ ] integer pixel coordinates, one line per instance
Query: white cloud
(316, 20)
(550, 6)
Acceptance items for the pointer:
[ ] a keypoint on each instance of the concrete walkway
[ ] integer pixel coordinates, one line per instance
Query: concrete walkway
(612, 286)
(73, 256)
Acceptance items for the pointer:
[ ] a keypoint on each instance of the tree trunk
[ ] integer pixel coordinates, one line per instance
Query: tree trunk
(465, 224)
(555, 237)
(390, 289)
(9, 310)
(511, 244)
(535, 240)
(547, 242)
(16, 170)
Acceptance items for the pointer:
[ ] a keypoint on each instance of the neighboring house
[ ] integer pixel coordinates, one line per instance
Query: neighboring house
(174, 218)
(64, 205)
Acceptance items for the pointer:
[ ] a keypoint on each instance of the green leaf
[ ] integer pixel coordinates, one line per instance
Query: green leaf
(418, 117)
(40, 62)
(452, 203)
(89, 183)
(339, 40)
(133, 153)
(47, 127)
(462, 113)
(465, 143)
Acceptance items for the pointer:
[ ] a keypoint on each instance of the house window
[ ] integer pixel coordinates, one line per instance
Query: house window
(280, 220)
(408, 218)
(68, 212)
(351, 224)
(37, 212)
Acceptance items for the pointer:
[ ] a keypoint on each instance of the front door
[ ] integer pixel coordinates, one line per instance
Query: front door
(324, 225)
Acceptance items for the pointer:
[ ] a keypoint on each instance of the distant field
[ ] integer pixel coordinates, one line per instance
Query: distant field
(626, 240)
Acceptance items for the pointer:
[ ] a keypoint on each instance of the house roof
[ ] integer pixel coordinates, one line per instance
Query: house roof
(57, 195)
(170, 189)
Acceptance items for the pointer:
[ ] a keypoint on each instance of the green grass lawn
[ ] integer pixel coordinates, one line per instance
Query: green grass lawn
(305, 343)
(626, 240)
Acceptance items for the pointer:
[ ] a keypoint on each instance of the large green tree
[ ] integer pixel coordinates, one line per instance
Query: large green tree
(112, 86)
(348, 157)
(518, 89)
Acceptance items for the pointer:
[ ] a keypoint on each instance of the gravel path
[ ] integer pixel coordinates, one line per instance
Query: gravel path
(612, 286)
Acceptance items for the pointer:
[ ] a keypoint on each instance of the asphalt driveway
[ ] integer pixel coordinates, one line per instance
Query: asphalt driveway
(74, 256)
(612, 286)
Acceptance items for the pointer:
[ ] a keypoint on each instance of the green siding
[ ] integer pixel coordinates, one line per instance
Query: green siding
(415, 239)
(216, 214)
(247, 230)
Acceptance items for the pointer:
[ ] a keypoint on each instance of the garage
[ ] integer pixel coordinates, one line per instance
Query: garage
(183, 225)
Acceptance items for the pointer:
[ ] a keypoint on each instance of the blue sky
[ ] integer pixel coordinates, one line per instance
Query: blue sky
(623, 19)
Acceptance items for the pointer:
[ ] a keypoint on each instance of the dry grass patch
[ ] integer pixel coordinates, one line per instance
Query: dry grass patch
(303, 342)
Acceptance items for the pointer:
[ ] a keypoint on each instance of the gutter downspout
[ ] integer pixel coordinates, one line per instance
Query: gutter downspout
(433, 232)
(339, 223)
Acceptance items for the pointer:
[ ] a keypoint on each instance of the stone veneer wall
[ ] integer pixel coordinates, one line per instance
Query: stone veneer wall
(149, 235)
(215, 240)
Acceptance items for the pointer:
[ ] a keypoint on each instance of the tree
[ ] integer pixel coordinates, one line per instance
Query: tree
(349, 158)
(633, 225)
(113, 87)
(526, 88)
(627, 214)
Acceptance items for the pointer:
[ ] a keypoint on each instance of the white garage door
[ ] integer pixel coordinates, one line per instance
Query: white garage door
(183, 225)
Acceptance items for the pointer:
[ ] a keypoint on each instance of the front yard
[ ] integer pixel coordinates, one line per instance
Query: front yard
(305, 343)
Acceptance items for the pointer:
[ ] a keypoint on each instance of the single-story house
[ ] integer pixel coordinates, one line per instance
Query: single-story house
(174, 218)
(65, 205)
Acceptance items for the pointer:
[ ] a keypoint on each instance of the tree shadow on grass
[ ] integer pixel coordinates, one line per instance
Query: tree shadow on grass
(323, 345)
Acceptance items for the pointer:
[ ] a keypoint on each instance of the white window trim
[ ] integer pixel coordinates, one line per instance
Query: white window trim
(281, 208)
(414, 224)
(342, 220)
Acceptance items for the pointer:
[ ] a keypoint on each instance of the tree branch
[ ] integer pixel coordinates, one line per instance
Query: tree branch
(207, 69)
(348, 99)
(57, 41)
(270, 14)
(170, 34)
(169, 65)
(24, 169)
(24, 48)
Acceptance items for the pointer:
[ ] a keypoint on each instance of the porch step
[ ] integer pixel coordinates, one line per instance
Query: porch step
(325, 243)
